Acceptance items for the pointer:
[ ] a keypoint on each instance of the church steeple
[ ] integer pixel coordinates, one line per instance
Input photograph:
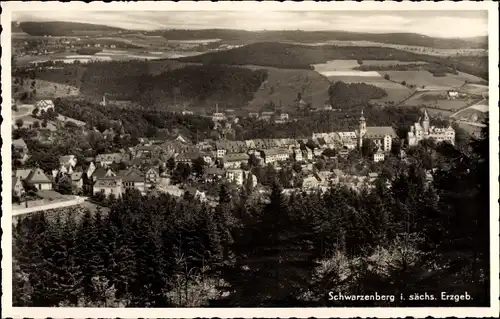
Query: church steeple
(426, 122)
(362, 129)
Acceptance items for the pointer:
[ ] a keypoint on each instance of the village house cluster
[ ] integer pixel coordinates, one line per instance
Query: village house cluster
(144, 167)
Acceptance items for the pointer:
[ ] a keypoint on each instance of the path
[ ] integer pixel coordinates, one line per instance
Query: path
(33, 209)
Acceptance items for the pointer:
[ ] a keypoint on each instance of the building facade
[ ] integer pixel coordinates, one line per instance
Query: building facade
(423, 130)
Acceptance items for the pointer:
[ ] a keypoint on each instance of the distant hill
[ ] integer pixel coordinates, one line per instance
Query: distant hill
(296, 56)
(60, 28)
(247, 37)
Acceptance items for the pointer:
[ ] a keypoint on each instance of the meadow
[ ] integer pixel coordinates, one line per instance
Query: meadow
(426, 79)
(436, 99)
(283, 85)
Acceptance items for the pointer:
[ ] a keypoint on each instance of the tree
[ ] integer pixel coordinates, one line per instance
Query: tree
(36, 124)
(64, 185)
(19, 123)
(320, 164)
(44, 123)
(171, 164)
(274, 259)
(198, 166)
(403, 83)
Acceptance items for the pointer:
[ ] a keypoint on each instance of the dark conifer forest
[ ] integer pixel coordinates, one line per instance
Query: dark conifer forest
(407, 235)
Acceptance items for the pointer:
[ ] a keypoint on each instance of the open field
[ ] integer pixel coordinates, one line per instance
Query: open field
(335, 65)
(476, 89)
(390, 62)
(438, 100)
(395, 91)
(425, 78)
(105, 55)
(283, 85)
(473, 113)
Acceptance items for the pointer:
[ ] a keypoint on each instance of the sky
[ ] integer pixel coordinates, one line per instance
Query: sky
(447, 24)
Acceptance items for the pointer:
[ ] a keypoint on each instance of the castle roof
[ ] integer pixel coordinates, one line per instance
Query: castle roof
(380, 131)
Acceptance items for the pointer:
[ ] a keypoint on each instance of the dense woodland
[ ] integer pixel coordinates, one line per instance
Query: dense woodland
(142, 82)
(406, 235)
(294, 56)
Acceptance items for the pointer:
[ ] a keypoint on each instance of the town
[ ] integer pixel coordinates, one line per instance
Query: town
(180, 167)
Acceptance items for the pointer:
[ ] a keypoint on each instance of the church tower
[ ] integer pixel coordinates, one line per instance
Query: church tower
(362, 129)
(425, 122)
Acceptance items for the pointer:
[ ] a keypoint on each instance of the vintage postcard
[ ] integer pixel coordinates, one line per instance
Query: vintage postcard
(249, 159)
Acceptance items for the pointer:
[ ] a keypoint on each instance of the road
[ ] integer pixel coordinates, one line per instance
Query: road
(33, 209)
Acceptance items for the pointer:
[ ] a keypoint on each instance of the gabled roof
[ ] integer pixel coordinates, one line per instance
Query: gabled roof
(38, 176)
(380, 131)
(22, 173)
(15, 180)
(131, 175)
(275, 151)
(113, 157)
(101, 172)
(45, 103)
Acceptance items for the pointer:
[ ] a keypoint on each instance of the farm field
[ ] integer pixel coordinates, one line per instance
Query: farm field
(437, 113)
(436, 99)
(282, 86)
(105, 55)
(425, 78)
(390, 62)
(395, 91)
(476, 89)
(335, 65)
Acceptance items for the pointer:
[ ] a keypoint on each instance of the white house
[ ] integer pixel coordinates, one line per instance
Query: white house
(44, 105)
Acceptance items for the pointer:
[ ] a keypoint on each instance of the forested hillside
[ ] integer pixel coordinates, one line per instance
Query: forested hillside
(159, 83)
(294, 56)
(242, 36)
(61, 28)
(405, 236)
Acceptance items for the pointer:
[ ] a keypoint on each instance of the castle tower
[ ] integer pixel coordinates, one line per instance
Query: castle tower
(425, 122)
(362, 129)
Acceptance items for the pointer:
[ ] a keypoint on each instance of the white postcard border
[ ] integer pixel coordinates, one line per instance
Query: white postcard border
(18, 312)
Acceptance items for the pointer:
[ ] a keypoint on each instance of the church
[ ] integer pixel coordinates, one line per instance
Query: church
(423, 130)
(382, 136)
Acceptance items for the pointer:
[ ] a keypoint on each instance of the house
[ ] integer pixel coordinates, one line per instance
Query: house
(77, 180)
(17, 186)
(108, 159)
(378, 156)
(133, 179)
(253, 115)
(109, 185)
(68, 160)
(452, 94)
(235, 175)
(234, 160)
(216, 117)
(102, 172)
(20, 146)
(44, 105)
(212, 174)
(152, 177)
(35, 177)
(274, 155)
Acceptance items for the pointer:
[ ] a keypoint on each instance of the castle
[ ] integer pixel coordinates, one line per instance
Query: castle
(422, 131)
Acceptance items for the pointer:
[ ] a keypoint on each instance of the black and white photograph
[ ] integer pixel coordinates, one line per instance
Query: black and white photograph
(311, 159)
